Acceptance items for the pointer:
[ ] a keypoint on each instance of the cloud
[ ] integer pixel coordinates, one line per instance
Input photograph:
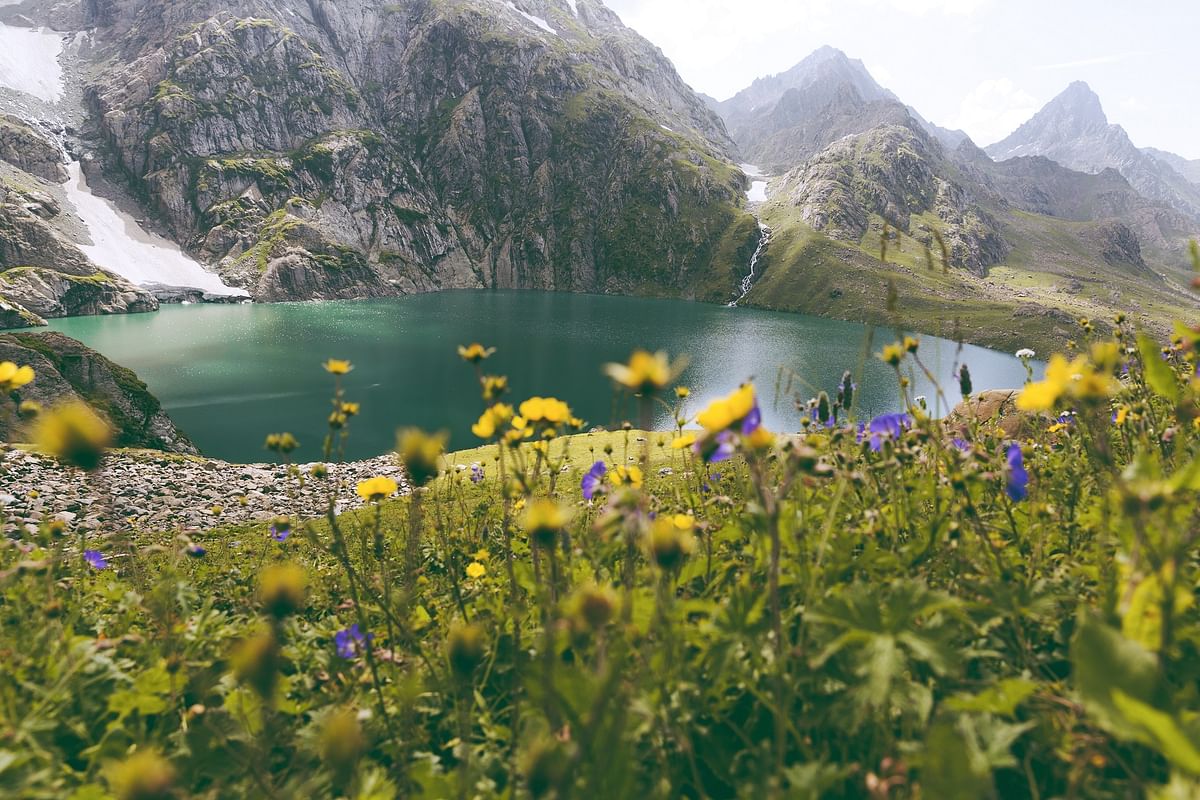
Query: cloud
(994, 109)
(923, 7)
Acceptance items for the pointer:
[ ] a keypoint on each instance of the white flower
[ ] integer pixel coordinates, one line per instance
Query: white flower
(1025, 353)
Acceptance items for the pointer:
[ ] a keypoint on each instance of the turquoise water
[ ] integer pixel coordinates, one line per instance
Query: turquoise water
(229, 375)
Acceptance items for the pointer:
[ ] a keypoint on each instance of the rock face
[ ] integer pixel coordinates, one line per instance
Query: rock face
(68, 370)
(28, 151)
(318, 150)
(899, 174)
(995, 406)
(1073, 130)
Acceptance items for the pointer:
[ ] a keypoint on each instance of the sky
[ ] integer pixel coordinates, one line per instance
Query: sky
(984, 66)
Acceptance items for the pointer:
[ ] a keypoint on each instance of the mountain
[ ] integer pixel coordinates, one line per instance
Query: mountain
(994, 253)
(1073, 130)
(1188, 168)
(312, 149)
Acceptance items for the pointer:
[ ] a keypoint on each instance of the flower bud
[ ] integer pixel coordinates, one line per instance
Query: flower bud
(281, 589)
(145, 775)
(466, 648)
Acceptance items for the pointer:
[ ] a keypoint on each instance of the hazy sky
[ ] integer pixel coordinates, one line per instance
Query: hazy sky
(981, 65)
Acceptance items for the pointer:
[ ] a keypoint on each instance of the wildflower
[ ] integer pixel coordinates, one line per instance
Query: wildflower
(95, 559)
(475, 352)
(964, 381)
(911, 345)
(476, 570)
(727, 412)
(594, 605)
(481, 555)
(281, 443)
(145, 775)
(683, 392)
(1120, 415)
(256, 661)
(195, 551)
(477, 473)
(420, 454)
(13, 377)
(544, 520)
(491, 420)
(846, 391)
(1076, 378)
(351, 641)
(823, 414)
(75, 435)
(546, 410)
(466, 647)
(1018, 477)
(669, 543)
(683, 442)
(375, 489)
(961, 444)
(715, 449)
(342, 741)
(28, 409)
(494, 387)
(281, 529)
(351, 409)
(1025, 354)
(887, 426)
(645, 373)
(337, 367)
(594, 479)
(892, 354)
(630, 476)
(281, 589)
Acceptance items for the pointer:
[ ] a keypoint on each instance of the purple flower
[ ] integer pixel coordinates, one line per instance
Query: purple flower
(196, 551)
(716, 449)
(350, 642)
(815, 414)
(887, 426)
(752, 422)
(280, 533)
(594, 479)
(1018, 476)
(95, 558)
(962, 444)
(476, 474)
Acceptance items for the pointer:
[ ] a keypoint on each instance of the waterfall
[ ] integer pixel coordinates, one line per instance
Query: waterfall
(764, 238)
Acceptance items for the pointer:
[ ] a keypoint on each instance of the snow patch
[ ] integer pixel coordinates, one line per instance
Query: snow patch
(574, 4)
(29, 62)
(122, 246)
(668, 130)
(541, 23)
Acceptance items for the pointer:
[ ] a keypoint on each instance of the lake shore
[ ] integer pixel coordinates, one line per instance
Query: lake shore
(148, 490)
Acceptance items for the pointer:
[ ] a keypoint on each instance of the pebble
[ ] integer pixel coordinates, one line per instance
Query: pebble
(142, 491)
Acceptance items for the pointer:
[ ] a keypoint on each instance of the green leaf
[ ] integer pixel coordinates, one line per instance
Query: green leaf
(1162, 731)
(1159, 375)
(1003, 698)
(954, 768)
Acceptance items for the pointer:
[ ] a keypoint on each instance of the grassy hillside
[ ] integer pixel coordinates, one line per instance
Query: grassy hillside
(901, 611)
(1050, 279)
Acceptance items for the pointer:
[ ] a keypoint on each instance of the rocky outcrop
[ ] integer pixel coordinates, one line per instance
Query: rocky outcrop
(358, 149)
(13, 315)
(993, 407)
(25, 149)
(68, 370)
(896, 173)
(49, 293)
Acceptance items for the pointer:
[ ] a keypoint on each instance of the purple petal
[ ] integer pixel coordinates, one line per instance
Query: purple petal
(752, 422)
(95, 559)
(593, 479)
(1018, 476)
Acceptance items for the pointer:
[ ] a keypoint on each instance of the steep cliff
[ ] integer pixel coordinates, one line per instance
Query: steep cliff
(314, 149)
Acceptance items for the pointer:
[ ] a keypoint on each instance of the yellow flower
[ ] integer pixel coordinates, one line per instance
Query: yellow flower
(892, 354)
(481, 555)
(281, 443)
(669, 544)
(911, 344)
(683, 392)
(1122, 415)
(726, 412)
(351, 409)
(544, 520)
(420, 453)
(684, 441)
(75, 435)
(474, 353)
(1076, 378)
(375, 489)
(545, 409)
(494, 386)
(336, 366)
(684, 522)
(627, 476)
(476, 570)
(760, 439)
(491, 420)
(646, 372)
(13, 377)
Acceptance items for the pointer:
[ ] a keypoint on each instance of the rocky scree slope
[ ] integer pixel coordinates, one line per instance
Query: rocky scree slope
(311, 149)
(43, 273)
(68, 370)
